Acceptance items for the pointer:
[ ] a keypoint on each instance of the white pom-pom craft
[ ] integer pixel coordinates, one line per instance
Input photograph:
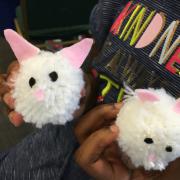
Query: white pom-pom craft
(149, 124)
(48, 86)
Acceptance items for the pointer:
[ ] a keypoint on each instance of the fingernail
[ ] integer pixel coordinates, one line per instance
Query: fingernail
(114, 129)
(117, 105)
(15, 119)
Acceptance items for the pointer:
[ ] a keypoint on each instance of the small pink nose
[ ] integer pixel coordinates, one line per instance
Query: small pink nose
(39, 95)
(152, 158)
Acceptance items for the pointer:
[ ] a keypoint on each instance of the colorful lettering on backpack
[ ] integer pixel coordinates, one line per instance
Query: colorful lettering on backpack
(141, 27)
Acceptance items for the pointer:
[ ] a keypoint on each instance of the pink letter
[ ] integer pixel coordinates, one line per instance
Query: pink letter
(151, 32)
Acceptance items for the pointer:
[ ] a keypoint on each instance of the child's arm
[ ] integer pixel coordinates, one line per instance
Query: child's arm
(45, 155)
(41, 155)
(48, 153)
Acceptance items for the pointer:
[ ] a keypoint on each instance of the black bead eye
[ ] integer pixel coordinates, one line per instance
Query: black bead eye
(148, 141)
(54, 76)
(169, 149)
(32, 82)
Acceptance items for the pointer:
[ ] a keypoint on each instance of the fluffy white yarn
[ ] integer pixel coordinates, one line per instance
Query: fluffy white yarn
(61, 97)
(139, 120)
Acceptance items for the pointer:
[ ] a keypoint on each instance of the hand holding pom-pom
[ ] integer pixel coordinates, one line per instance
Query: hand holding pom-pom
(48, 86)
(149, 123)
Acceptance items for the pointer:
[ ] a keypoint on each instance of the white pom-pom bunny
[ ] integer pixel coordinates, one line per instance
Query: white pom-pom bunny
(48, 86)
(149, 123)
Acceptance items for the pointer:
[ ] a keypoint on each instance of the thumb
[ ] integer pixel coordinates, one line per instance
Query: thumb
(88, 156)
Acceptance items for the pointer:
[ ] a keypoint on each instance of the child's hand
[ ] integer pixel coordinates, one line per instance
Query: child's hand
(14, 117)
(100, 156)
(95, 119)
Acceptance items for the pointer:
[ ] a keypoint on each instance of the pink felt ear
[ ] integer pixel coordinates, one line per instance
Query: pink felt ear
(21, 48)
(176, 107)
(146, 95)
(78, 52)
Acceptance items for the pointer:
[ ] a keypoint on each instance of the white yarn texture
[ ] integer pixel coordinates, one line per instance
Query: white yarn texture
(139, 120)
(61, 97)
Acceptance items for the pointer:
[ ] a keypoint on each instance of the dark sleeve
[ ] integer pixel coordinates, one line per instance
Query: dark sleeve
(42, 155)
(74, 172)
(102, 17)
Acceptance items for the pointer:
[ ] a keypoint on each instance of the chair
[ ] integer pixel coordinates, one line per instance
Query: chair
(43, 19)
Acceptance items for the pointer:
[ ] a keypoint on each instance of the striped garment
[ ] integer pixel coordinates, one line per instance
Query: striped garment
(140, 41)
(46, 154)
